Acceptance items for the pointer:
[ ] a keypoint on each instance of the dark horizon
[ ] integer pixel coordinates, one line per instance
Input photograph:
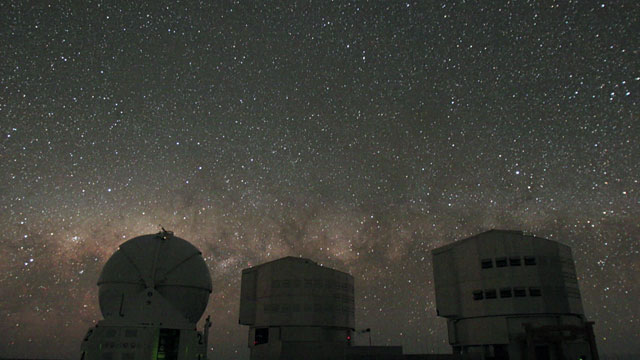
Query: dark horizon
(361, 135)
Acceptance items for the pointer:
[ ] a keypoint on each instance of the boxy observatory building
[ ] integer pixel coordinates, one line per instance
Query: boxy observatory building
(511, 295)
(152, 291)
(297, 309)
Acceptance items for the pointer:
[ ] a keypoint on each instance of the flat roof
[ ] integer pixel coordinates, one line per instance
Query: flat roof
(473, 237)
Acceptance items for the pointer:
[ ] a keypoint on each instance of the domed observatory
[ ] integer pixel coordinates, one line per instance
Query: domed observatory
(511, 295)
(152, 291)
(297, 309)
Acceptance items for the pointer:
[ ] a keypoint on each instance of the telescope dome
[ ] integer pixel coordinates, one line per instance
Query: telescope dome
(153, 265)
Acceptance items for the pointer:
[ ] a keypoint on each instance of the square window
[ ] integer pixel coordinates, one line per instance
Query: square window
(515, 261)
(477, 295)
(286, 283)
(490, 294)
(275, 284)
(519, 292)
(501, 262)
(529, 260)
(505, 293)
(486, 263)
(535, 291)
(262, 336)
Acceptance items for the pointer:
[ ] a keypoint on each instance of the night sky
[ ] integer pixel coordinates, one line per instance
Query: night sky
(361, 135)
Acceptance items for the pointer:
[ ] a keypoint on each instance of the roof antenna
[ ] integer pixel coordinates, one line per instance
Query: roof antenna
(165, 233)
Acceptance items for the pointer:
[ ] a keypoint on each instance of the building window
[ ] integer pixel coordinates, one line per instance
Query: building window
(519, 292)
(515, 261)
(477, 295)
(529, 260)
(505, 293)
(535, 291)
(490, 294)
(501, 262)
(275, 284)
(308, 283)
(262, 336)
(286, 283)
(486, 263)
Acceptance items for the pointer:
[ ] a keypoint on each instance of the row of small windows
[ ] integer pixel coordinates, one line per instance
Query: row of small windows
(127, 333)
(317, 308)
(115, 345)
(508, 261)
(506, 293)
(311, 284)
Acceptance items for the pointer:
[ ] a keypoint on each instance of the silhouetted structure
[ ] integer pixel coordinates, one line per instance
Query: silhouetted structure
(297, 309)
(510, 295)
(153, 291)
(505, 294)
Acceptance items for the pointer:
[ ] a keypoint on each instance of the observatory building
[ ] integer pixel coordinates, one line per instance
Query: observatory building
(511, 295)
(152, 291)
(297, 309)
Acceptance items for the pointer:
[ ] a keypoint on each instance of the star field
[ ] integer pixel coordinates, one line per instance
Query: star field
(359, 134)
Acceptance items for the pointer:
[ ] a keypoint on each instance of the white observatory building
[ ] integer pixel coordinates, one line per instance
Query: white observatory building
(153, 290)
(511, 295)
(297, 309)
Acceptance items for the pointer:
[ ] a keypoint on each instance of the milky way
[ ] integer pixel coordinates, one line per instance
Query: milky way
(361, 135)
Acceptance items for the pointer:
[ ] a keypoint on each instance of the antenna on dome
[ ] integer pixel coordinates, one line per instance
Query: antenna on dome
(165, 233)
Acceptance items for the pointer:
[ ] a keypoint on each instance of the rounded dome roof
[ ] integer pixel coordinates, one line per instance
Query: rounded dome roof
(156, 263)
